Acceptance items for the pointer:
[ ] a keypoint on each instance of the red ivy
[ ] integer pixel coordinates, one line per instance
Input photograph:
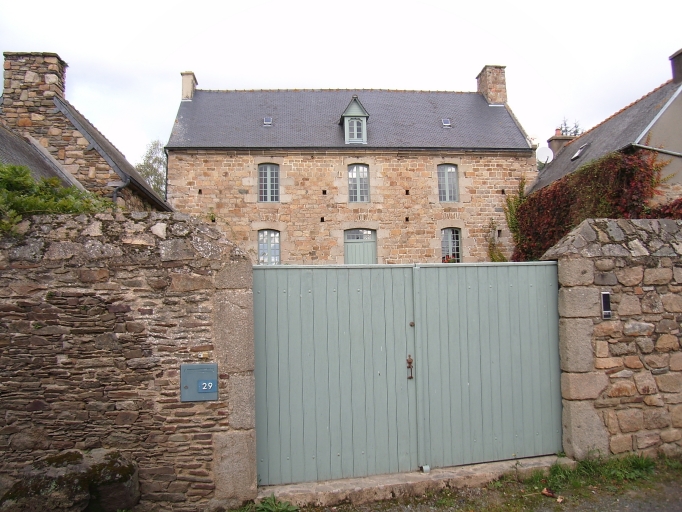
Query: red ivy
(667, 211)
(618, 185)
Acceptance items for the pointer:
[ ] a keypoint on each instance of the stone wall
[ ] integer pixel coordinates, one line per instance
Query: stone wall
(98, 313)
(622, 377)
(314, 211)
(31, 81)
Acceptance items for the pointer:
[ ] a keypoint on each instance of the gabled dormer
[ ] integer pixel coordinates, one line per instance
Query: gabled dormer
(354, 121)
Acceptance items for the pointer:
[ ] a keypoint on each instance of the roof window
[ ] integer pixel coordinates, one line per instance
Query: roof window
(267, 121)
(354, 121)
(579, 152)
(446, 122)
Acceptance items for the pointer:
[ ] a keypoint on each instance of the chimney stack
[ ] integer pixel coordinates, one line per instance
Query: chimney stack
(189, 85)
(558, 141)
(492, 84)
(31, 81)
(676, 62)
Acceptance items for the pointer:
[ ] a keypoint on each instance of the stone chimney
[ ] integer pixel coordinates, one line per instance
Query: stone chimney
(31, 81)
(492, 84)
(558, 141)
(676, 61)
(189, 85)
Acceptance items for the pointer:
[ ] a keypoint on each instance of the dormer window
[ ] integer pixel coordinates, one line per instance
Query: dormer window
(355, 130)
(354, 122)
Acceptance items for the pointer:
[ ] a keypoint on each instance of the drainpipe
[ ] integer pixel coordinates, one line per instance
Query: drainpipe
(165, 189)
(658, 150)
(114, 196)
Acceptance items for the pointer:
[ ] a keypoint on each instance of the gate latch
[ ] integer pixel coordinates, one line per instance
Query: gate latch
(409, 367)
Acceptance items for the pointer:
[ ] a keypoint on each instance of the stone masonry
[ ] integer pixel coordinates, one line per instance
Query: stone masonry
(31, 81)
(491, 82)
(313, 212)
(97, 314)
(622, 377)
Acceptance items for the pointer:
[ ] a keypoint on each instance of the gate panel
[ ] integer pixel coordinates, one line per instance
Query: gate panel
(332, 395)
(488, 362)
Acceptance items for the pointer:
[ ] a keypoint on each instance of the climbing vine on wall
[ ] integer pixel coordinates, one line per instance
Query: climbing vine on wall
(618, 185)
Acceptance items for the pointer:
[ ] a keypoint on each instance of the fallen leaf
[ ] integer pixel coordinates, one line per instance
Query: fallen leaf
(560, 499)
(548, 492)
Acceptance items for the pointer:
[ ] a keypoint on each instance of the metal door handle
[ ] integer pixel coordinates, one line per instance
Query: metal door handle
(409, 367)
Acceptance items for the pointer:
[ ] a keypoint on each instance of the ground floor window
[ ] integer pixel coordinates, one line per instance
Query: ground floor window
(451, 245)
(268, 247)
(360, 247)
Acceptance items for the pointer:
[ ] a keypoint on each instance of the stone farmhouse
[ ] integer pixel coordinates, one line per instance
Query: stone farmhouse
(652, 123)
(351, 176)
(42, 130)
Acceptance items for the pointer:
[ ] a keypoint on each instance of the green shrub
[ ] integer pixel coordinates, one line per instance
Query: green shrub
(21, 195)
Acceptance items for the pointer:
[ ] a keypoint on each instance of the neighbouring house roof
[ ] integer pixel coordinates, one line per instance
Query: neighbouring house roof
(111, 154)
(17, 150)
(310, 119)
(626, 127)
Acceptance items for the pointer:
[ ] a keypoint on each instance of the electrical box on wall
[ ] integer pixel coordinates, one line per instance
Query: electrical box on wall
(606, 305)
(198, 382)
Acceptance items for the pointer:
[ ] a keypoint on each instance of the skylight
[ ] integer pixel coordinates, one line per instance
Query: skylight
(267, 121)
(577, 153)
(446, 122)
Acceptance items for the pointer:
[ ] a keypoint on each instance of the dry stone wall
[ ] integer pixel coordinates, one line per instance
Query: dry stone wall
(96, 315)
(622, 377)
(314, 211)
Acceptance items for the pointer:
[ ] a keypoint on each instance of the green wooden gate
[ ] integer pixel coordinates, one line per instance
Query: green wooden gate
(333, 397)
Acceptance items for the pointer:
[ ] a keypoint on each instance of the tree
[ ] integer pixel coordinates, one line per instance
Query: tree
(574, 130)
(153, 167)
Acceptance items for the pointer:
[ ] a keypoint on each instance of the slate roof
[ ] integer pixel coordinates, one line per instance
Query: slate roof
(16, 150)
(110, 153)
(613, 134)
(310, 119)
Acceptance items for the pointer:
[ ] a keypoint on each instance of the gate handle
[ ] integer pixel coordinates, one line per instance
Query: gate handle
(409, 366)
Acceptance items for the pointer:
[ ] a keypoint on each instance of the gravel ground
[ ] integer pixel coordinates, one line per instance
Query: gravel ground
(664, 494)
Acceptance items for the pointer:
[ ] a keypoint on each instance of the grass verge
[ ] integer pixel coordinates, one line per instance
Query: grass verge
(591, 485)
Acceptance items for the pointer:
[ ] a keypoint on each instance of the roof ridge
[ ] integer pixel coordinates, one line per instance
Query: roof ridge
(94, 127)
(334, 90)
(619, 112)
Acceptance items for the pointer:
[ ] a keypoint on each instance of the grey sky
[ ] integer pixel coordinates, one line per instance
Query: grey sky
(582, 60)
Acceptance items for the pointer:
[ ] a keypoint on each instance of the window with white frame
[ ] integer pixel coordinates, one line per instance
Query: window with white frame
(448, 189)
(268, 247)
(268, 183)
(358, 183)
(355, 131)
(451, 245)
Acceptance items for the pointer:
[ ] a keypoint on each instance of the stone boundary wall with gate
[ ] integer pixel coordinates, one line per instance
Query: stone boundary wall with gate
(621, 377)
(96, 315)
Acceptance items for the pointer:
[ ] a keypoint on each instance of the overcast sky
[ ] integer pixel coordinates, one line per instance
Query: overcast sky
(582, 60)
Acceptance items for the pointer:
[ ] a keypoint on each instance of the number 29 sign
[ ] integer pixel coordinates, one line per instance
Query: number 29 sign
(207, 386)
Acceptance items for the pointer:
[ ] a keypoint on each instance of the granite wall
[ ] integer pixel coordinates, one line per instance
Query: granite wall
(621, 376)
